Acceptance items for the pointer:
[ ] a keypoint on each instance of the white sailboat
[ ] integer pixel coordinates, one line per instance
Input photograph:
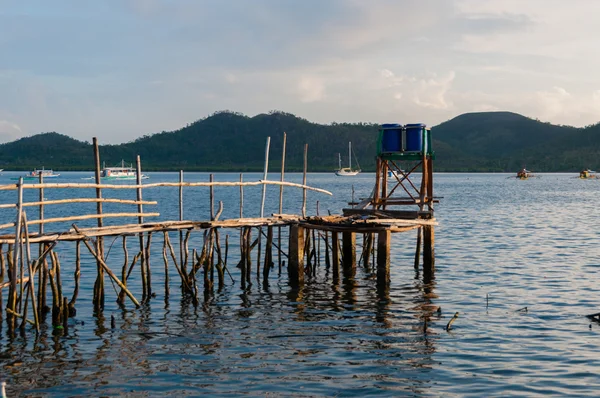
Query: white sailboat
(347, 171)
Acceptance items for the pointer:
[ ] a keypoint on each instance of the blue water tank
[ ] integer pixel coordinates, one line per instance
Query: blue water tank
(391, 140)
(414, 137)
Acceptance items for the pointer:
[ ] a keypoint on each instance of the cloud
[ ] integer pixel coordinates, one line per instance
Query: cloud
(311, 89)
(163, 64)
(9, 131)
(424, 91)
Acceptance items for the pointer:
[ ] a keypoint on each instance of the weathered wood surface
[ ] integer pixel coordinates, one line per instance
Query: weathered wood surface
(164, 184)
(79, 200)
(82, 217)
(324, 223)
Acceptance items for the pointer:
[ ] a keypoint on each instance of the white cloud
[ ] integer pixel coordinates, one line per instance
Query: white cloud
(9, 131)
(164, 64)
(311, 89)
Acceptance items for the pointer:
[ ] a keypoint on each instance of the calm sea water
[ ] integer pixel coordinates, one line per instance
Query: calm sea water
(502, 245)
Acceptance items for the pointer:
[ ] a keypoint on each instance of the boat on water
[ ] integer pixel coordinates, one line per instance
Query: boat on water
(524, 174)
(393, 174)
(587, 174)
(347, 171)
(35, 174)
(122, 172)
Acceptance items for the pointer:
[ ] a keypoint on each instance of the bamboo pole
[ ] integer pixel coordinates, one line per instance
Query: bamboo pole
(109, 271)
(212, 198)
(42, 203)
(12, 295)
(243, 248)
(99, 285)
(181, 216)
(281, 197)
(82, 217)
(184, 279)
(148, 269)
(268, 253)
(143, 258)
(304, 180)
(166, 260)
(241, 196)
(166, 184)
(41, 211)
(266, 170)
(77, 275)
(219, 266)
(31, 277)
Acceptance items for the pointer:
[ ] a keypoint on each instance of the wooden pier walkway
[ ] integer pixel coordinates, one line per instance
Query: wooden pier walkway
(301, 241)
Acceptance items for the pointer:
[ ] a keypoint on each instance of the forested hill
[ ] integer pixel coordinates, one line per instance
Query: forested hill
(487, 141)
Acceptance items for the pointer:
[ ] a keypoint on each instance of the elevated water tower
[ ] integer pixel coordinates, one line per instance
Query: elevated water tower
(404, 154)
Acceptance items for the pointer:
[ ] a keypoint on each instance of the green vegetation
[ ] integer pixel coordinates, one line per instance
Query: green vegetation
(487, 141)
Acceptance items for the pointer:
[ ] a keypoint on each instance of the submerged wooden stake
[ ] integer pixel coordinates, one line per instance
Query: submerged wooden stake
(98, 298)
(108, 270)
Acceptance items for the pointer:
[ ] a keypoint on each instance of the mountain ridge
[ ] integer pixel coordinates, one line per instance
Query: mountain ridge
(231, 141)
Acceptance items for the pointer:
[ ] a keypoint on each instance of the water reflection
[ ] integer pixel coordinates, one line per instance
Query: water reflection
(343, 336)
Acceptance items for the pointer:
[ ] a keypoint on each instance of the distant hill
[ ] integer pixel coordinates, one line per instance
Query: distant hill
(486, 141)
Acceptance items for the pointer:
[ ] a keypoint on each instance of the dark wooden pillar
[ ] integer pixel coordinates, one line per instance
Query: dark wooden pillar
(384, 243)
(335, 256)
(428, 249)
(296, 256)
(349, 254)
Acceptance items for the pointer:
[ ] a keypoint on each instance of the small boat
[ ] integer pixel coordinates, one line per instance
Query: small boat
(393, 174)
(524, 174)
(587, 174)
(120, 173)
(35, 174)
(347, 171)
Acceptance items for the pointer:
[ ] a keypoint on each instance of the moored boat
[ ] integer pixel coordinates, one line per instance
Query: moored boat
(396, 174)
(35, 174)
(524, 174)
(587, 174)
(120, 173)
(347, 171)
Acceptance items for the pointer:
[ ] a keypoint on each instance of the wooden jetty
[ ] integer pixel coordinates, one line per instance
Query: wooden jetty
(27, 275)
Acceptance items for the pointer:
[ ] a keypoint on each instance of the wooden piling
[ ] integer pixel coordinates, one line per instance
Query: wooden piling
(304, 180)
(383, 257)
(77, 276)
(349, 254)
(12, 292)
(296, 256)
(98, 299)
(281, 198)
(428, 249)
(335, 256)
(418, 248)
(268, 253)
(181, 216)
(367, 248)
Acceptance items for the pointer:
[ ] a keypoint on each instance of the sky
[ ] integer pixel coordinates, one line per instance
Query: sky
(120, 69)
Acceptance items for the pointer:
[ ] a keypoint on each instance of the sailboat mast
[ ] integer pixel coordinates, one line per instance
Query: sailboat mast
(350, 155)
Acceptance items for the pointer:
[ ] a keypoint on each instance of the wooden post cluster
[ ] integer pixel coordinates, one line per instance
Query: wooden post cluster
(198, 271)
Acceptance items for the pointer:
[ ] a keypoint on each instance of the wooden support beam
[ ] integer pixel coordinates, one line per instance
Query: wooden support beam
(428, 250)
(296, 256)
(384, 242)
(349, 254)
(335, 256)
